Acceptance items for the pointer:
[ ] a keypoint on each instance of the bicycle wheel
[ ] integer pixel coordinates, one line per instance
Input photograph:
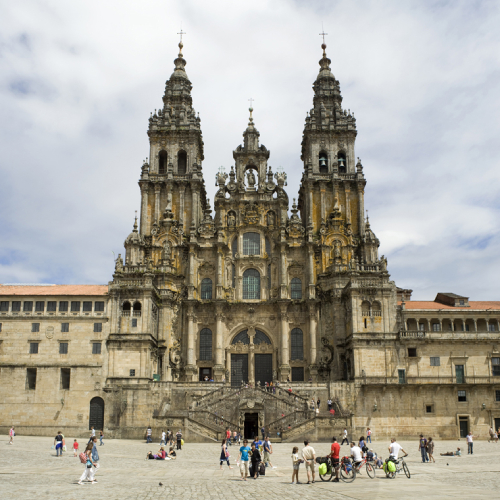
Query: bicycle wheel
(407, 471)
(348, 475)
(370, 470)
(328, 475)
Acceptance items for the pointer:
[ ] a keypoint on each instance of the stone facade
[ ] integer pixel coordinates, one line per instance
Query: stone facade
(246, 296)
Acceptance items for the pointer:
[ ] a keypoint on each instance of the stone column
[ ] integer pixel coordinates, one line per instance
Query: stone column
(347, 204)
(191, 285)
(251, 365)
(323, 208)
(228, 366)
(182, 189)
(144, 208)
(310, 259)
(220, 275)
(361, 211)
(312, 334)
(191, 367)
(194, 207)
(219, 362)
(285, 355)
(283, 294)
(157, 202)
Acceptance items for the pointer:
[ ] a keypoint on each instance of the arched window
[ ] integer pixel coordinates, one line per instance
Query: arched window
(251, 284)
(137, 309)
(162, 166)
(251, 244)
(206, 345)
(234, 246)
(296, 289)
(126, 307)
(206, 289)
(323, 163)
(342, 162)
(242, 337)
(261, 338)
(365, 308)
(181, 163)
(376, 309)
(297, 338)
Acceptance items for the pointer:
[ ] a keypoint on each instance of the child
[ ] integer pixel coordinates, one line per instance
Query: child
(296, 461)
(101, 437)
(75, 448)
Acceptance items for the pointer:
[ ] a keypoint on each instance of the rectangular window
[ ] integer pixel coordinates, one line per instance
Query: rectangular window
(65, 327)
(462, 302)
(497, 395)
(98, 306)
(65, 378)
(35, 327)
(460, 374)
(134, 323)
(63, 306)
(462, 396)
(16, 305)
(33, 347)
(87, 306)
(51, 305)
(63, 348)
(75, 306)
(421, 327)
(412, 352)
(4, 306)
(435, 361)
(436, 327)
(251, 244)
(96, 348)
(31, 379)
(39, 306)
(402, 376)
(428, 409)
(492, 327)
(132, 373)
(28, 306)
(297, 374)
(495, 365)
(97, 327)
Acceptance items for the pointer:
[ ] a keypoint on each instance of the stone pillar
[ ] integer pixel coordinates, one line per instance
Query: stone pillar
(475, 325)
(228, 367)
(219, 362)
(191, 285)
(323, 208)
(312, 334)
(191, 367)
(251, 365)
(157, 202)
(347, 204)
(285, 355)
(361, 212)
(182, 189)
(310, 260)
(194, 207)
(220, 275)
(283, 288)
(144, 208)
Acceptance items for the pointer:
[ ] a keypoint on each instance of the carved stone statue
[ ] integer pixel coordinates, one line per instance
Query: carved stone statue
(231, 219)
(167, 250)
(251, 179)
(119, 264)
(270, 219)
(383, 263)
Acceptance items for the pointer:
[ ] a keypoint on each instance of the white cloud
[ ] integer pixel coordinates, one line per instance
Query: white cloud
(78, 80)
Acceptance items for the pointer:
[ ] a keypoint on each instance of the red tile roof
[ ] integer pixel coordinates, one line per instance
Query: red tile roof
(28, 290)
(428, 304)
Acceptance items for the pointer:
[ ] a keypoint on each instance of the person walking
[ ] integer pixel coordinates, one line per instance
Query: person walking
(492, 433)
(256, 459)
(95, 455)
(163, 438)
(243, 457)
(75, 448)
(149, 433)
(224, 455)
(101, 437)
(344, 437)
(88, 474)
(422, 446)
(430, 449)
(368, 435)
(268, 450)
(470, 443)
(12, 433)
(263, 432)
(228, 436)
(309, 457)
(179, 439)
(58, 443)
(92, 433)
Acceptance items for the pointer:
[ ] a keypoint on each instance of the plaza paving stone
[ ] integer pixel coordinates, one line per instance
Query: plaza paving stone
(30, 469)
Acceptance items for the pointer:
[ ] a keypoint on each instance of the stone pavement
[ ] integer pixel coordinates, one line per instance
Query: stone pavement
(30, 470)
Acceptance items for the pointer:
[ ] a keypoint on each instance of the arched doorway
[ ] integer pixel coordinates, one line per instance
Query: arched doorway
(96, 415)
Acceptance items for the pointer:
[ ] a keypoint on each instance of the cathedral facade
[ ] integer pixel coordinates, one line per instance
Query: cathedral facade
(207, 307)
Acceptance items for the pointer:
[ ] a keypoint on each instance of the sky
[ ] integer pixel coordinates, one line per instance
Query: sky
(79, 79)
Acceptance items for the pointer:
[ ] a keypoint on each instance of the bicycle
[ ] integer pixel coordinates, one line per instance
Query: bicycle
(347, 470)
(400, 466)
(369, 466)
(330, 470)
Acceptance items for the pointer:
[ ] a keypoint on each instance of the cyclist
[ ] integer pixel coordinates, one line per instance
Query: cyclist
(394, 450)
(356, 455)
(335, 457)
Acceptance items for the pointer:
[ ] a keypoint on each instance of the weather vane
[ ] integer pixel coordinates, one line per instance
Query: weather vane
(181, 33)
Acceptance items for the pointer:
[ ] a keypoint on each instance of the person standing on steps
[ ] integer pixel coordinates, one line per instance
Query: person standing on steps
(470, 443)
(179, 440)
(344, 437)
(309, 457)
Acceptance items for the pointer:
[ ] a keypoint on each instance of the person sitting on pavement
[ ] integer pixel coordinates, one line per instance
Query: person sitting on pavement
(171, 454)
(457, 453)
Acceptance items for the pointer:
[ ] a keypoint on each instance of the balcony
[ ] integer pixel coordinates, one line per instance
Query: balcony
(412, 334)
(425, 380)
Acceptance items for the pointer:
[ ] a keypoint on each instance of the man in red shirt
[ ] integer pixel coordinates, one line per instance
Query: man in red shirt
(335, 456)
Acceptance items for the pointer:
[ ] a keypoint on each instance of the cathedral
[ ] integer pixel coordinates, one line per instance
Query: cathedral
(244, 312)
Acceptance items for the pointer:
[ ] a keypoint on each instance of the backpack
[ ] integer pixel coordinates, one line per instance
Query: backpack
(83, 457)
(364, 449)
(322, 469)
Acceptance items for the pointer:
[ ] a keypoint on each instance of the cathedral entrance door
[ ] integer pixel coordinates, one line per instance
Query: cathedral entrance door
(239, 369)
(251, 427)
(263, 368)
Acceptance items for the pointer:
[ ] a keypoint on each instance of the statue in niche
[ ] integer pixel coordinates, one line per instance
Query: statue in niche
(383, 263)
(337, 254)
(231, 219)
(167, 250)
(251, 179)
(119, 264)
(270, 219)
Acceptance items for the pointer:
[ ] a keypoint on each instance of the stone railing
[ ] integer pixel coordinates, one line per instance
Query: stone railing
(213, 420)
(412, 334)
(425, 380)
(280, 426)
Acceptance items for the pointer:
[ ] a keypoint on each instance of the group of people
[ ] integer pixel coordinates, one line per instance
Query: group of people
(166, 438)
(161, 454)
(494, 435)
(252, 459)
